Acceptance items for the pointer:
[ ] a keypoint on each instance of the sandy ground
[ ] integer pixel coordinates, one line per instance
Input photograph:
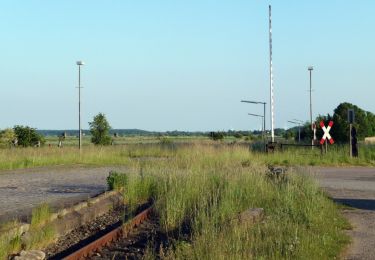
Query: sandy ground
(355, 187)
(22, 190)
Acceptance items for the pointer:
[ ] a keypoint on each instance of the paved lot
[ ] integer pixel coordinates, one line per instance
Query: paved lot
(22, 190)
(354, 186)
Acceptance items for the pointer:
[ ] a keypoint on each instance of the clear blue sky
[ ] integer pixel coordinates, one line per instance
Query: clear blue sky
(181, 65)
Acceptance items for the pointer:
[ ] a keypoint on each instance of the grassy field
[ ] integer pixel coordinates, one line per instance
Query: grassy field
(146, 147)
(205, 185)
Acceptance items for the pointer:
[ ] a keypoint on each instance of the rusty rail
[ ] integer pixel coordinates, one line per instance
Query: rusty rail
(111, 236)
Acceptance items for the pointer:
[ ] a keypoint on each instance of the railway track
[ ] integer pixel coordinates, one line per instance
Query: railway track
(89, 250)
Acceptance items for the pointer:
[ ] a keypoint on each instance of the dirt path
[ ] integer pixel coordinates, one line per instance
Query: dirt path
(21, 190)
(355, 187)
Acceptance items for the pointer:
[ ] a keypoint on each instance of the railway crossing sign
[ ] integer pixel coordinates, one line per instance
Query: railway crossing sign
(326, 132)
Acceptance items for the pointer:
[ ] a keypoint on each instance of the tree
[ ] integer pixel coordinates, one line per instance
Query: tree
(364, 123)
(27, 136)
(7, 137)
(99, 129)
(216, 136)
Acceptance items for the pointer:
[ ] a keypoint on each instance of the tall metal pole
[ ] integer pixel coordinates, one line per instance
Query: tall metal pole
(79, 63)
(271, 79)
(310, 68)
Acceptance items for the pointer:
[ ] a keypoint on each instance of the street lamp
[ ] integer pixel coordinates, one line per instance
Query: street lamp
(264, 112)
(297, 122)
(79, 63)
(263, 133)
(250, 114)
(310, 69)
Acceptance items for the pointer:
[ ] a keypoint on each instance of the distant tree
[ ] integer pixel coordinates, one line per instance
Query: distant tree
(238, 135)
(27, 136)
(289, 134)
(217, 136)
(364, 123)
(99, 129)
(7, 137)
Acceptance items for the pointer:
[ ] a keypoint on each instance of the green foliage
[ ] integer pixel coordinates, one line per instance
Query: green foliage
(290, 134)
(7, 136)
(27, 136)
(115, 180)
(99, 129)
(364, 123)
(217, 136)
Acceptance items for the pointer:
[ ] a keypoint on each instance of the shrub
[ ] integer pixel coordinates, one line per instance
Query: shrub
(7, 137)
(27, 136)
(99, 129)
(116, 181)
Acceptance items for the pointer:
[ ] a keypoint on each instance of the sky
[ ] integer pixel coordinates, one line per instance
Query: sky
(181, 65)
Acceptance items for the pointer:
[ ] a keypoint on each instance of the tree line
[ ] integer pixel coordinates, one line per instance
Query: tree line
(364, 124)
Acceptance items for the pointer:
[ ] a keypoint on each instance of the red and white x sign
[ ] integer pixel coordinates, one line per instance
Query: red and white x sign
(326, 132)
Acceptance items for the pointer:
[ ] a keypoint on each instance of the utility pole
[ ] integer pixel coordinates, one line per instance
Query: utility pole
(79, 63)
(310, 68)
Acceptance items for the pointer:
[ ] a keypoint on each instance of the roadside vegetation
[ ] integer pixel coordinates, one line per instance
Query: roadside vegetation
(338, 155)
(40, 233)
(199, 193)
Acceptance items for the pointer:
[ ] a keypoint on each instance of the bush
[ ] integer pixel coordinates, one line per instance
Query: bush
(116, 181)
(217, 136)
(27, 136)
(7, 137)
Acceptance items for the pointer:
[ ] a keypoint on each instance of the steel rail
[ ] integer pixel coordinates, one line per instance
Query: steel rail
(111, 236)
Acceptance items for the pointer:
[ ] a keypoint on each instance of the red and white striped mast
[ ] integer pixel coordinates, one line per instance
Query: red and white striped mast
(271, 80)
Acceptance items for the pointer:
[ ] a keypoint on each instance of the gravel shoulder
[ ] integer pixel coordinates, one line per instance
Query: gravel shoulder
(355, 187)
(22, 190)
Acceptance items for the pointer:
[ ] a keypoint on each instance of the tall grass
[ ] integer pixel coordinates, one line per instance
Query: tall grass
(205, 188)
(128, 154)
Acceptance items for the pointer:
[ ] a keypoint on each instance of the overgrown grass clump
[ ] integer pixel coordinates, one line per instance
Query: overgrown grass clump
(40, 233)
(205, 188)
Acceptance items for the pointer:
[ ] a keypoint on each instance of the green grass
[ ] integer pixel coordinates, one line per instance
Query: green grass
(40, 215)
(207, 187)
(165, 148)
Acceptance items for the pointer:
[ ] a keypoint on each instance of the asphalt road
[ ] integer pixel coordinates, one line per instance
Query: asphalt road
(355, 187)
(24, 189)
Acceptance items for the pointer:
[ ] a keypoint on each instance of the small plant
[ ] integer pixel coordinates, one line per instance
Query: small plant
(40, 237)
(40, 215)
(116, 181)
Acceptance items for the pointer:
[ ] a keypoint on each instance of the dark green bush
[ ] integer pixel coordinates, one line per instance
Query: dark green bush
(116, 181)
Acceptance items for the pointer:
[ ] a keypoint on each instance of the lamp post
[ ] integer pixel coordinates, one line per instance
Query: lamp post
(79, 63)
(263, 133)
(297, 122)
(250, 114)
(264, 111)
(310, 69)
